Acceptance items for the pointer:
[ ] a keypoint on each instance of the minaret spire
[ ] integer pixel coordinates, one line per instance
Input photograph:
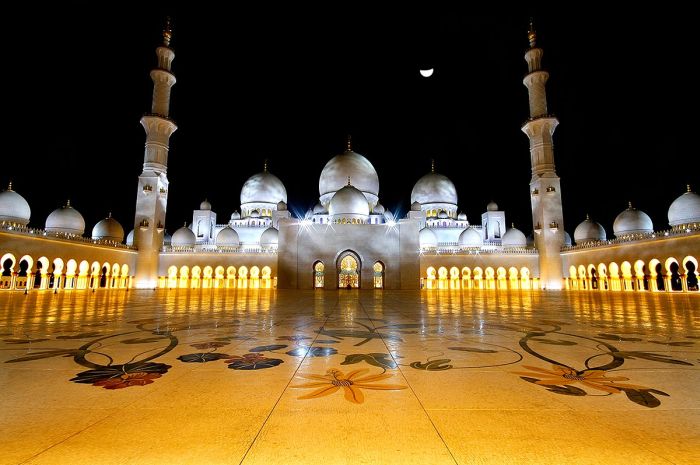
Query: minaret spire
(167, 32)
(532, 35)
(545, 186)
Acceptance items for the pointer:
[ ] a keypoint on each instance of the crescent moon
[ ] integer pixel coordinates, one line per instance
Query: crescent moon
(426, 72)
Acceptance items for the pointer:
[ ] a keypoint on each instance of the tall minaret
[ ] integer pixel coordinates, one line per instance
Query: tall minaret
(545, 192)
(152, 193)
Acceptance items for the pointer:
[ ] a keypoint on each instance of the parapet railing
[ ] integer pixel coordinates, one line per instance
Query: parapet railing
(637, 237)
(35, 232)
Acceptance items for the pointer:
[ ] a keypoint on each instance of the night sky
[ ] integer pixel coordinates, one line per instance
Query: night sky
(289, 85)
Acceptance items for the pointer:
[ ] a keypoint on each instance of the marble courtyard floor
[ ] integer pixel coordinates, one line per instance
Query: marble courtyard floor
(349, 377)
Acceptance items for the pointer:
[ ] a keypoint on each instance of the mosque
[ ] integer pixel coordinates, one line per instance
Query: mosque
(348, 239)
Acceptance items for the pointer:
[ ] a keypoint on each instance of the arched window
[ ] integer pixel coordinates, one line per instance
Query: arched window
(319, 275)
(348, 270)
(378, 275)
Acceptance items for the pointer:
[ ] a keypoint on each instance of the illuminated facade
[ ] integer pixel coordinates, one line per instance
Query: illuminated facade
(348, 239)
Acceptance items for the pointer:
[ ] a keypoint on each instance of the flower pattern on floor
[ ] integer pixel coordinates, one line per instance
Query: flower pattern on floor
(352, 384)
(434, 349)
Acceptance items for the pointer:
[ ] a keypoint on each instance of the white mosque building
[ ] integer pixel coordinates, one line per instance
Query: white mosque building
(348, 239)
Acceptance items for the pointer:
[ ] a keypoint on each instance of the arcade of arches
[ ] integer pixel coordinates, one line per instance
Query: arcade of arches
(664, 275)
(196, 277)
(478, 278)
(28, 273)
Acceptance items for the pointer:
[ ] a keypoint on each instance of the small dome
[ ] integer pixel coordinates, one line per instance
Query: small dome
(263, 188)
(685, 209)
(427, 238)
(567, 239)
(434, 188)
(470, 237)
(443, 215)
(205, 205)
(130, 238)
(167, 238)
(183, 237)
(269, 237)
(588, 230)
(462, 217)
(228, 237)
(319, 209)
(108, 229)
(255, 214)
(235, 215)
(415, 207)
(349, 164)
(632, 221)
(65, 220)
(492, 207)
(348, 201)
(378, 209)
(514, 238)
(282, 206)
(13, 207)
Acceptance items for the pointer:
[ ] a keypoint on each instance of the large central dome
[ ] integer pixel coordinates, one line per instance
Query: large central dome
(434, 188)
(263, 187)
(348, 165)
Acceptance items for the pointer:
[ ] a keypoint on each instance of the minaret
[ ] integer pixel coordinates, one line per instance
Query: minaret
(545, 192)
(152, 193)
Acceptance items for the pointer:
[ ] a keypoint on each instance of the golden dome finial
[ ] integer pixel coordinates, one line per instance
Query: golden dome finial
(512, 225)
(687, 186)
(349, 181)
(68, 203)
(9, 186)
(109, 215)
(531, 34)
(629, 205)
(349, 143)
(167, 31)
(265, 166)
(588, 217)
(432, 165)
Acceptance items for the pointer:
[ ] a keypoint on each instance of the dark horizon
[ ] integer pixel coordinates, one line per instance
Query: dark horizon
(291, 89)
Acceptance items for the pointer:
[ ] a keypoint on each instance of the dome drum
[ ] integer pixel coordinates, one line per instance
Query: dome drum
(435, 189)
(108, 229)
(263, 188)
(685, 210)
(65, 220)
(349, 205)
(14, 208)
(589, 231)
(632, 222)
(335, 174)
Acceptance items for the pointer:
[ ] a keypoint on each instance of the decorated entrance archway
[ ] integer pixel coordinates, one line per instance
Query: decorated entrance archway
(348, 270)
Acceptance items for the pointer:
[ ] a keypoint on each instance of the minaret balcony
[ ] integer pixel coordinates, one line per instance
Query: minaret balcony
(147, 189)
(538, 228)
(553, 227)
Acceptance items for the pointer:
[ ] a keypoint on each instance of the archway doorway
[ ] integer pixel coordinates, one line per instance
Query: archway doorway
(348, 271)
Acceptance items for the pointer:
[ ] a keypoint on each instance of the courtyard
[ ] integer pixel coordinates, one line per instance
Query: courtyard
(266, 376)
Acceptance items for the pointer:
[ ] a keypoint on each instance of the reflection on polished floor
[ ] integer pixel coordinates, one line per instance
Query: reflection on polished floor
(356, 377)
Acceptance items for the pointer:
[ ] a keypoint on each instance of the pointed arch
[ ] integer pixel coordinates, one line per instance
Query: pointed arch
(378, 269)
(349, 268)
